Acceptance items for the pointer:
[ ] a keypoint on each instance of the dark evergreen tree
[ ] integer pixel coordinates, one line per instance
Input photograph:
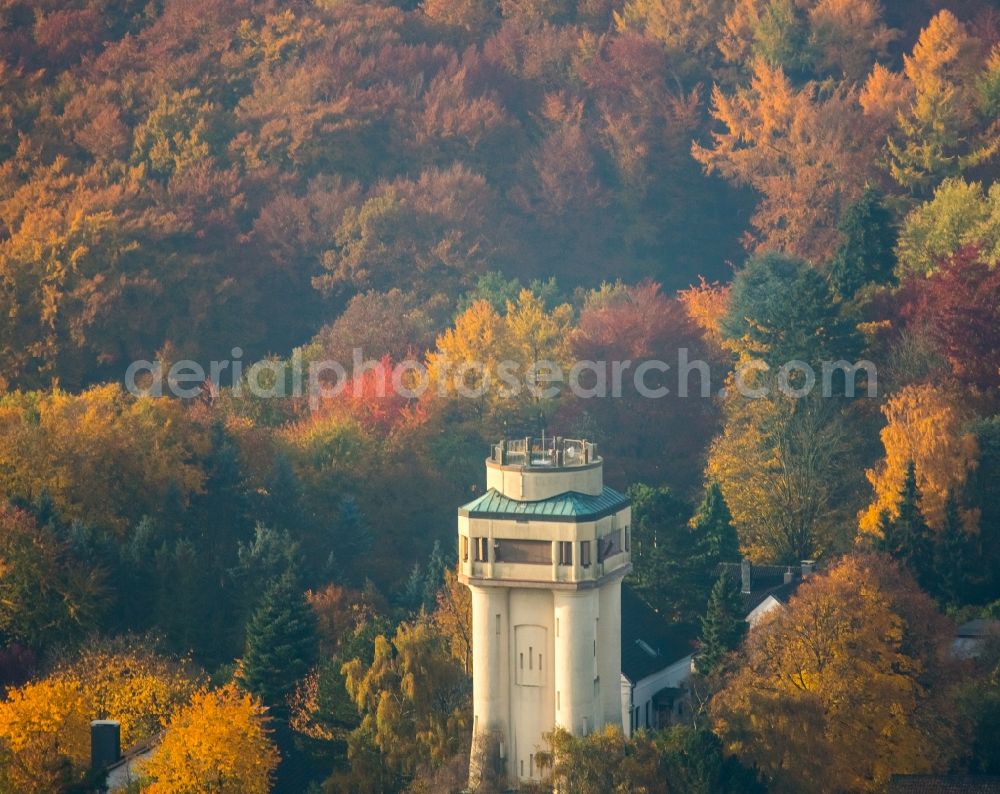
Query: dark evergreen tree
(953, 556)
(281, 506)
(714, 534)
(281, 643)
(786, 309)
(137, 566)
(867, 254)
(219, 517)
(186, 602)
(437, 564)
(694, 762)
(43, 508)
(662, 550)
(352, 540)
(907, 536)
(270, 555)
(722, 626)
(412, 594)
(984, 495)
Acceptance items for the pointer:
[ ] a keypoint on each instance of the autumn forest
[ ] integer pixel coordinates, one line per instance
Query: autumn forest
(261, 581)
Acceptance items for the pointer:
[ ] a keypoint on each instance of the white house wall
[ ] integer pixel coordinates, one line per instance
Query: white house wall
(676, 675)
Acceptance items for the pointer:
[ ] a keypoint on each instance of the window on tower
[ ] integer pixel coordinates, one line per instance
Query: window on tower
(608, 546)
(531, 552)
(585, 553)
(482, 549)
(565, 552)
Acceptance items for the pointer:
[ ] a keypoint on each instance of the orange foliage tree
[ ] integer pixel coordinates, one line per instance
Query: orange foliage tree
(706, 304)
(803, 149)
(835, 694)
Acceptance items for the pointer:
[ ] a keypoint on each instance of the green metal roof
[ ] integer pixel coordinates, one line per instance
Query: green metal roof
(571, 506)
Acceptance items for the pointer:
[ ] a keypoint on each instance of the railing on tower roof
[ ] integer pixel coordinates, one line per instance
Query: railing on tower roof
(544, 453)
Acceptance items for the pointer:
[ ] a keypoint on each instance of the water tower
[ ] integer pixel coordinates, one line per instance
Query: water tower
(543, 551)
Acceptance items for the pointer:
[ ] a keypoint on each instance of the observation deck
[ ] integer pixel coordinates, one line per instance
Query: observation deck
(546, 518)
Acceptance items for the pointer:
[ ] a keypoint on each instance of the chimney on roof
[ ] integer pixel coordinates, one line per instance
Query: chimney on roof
(745, 574)
(807, 567)
(788, 575)
(105, 744)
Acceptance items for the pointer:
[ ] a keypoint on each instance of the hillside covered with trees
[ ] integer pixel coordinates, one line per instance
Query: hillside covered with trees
(459, 183)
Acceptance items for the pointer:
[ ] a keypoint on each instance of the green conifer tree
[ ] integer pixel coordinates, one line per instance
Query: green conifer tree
(952, 557)
(352, 540)
(907, 537)
(722, 627)
(867, 254)
(715, 536)
(280, 644)
(437, 564)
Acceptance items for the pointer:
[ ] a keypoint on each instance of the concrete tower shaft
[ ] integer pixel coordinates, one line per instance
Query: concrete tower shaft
(543, 552)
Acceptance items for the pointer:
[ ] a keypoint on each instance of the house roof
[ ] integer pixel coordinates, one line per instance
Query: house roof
(571, 506)
(649, 641)
(944, 784)
(765, 580)
(781, 593)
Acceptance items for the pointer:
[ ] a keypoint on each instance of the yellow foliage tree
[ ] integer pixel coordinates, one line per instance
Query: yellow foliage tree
(840, 38)
(500, 364)
(218, 743)
(44, 725)
(414, 699)
(926, 425)
(453, 618)
(781, 464)
(835, 694)
(44, 736)
(472, 15)
(127, 682)
(103, 456)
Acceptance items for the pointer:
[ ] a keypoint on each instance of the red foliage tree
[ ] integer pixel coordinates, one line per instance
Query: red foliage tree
(959, 308)
(372, 399)
(656, 439)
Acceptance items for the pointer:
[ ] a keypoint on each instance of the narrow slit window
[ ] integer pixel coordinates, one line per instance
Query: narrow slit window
(585, 553)
(531, 658)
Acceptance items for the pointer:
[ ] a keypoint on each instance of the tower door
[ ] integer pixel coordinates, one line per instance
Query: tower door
(532, 712)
